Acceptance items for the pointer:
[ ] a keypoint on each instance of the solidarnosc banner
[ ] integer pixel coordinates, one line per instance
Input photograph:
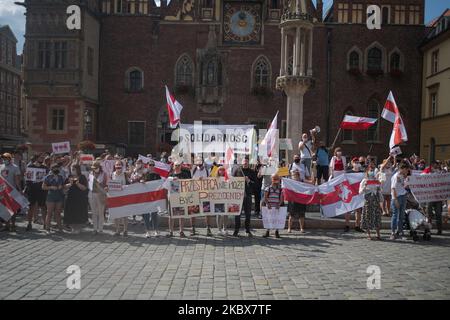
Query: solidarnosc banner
(199, 138)
(204, 197)
(430, 187)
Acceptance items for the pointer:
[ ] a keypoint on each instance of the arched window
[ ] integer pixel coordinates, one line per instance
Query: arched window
(184, 71)
(261, 73)
(347, 135)
(395, 61)
(134, 80)
(354, 60)
(375, 59)
(373, 111)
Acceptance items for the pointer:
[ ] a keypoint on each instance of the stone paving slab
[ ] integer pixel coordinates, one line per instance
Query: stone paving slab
(320, 264)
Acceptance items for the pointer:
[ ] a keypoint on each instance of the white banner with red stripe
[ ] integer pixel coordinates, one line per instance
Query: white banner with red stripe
(137, 199)
(337, 196)
(161, 168)
(11, 200)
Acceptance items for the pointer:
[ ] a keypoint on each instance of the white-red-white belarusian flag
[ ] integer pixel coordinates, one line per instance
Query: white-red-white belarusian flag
(11, 200)
(269, 141)
(357, 123)
(390, 108)
(137, 199)
(399, 134)
(163, 169)
(296, 191)
(174, 108)
(341, 194)
(229, 161)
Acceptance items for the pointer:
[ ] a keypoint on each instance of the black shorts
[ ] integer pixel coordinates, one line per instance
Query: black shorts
(322, 172)
(36, 196)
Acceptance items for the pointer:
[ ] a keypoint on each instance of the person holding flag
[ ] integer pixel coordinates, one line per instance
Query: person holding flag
(151, 220)
(11, 173)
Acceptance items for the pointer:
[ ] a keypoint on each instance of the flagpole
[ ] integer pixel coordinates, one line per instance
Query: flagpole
(335, 139)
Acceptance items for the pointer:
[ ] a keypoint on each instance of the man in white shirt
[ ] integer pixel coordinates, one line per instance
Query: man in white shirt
(398, 204)
(298, 166)
(306, 152)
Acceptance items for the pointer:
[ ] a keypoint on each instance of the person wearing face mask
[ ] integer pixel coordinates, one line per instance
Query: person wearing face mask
(151, 219)
(76, 204)
(97, 196)
(11, 173)
(54, 185)
(273, 198)
(363, 163)
(250, 178)
(296, 210)
(136, 175)
(337, 164)
(296, 165)
(384, 174)
(322, 163)
(119, 176)
(306, 147)
(370, 186)
(33, 190)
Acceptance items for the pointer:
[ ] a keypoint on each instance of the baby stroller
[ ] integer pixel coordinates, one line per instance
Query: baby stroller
(415, 219)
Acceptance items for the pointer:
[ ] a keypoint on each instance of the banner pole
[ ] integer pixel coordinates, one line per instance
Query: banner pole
(335, 139)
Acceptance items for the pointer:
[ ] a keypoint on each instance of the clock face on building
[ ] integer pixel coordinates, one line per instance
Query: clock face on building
(241, 23)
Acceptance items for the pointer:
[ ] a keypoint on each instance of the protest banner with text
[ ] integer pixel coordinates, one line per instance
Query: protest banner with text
(430, 187)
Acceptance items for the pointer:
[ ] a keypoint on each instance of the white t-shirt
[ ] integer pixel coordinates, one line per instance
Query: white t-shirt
(398, 183)
(305, 153)
(199, 173)
(119, 178)
(300, 167)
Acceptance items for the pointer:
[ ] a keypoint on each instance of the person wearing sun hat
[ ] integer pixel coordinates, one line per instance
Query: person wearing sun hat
(11, 173)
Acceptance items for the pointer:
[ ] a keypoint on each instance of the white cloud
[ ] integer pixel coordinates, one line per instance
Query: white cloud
(8, 7)
(13, 15)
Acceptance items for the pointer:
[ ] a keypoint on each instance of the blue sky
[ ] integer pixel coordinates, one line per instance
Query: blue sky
(13, 15)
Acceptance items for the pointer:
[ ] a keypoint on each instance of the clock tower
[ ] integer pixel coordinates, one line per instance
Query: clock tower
(242, 23)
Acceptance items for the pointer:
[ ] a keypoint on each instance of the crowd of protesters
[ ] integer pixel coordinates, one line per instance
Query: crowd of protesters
(63, 194)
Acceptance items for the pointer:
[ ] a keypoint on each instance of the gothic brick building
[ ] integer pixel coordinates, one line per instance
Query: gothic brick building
(221, 58)
(10, 91)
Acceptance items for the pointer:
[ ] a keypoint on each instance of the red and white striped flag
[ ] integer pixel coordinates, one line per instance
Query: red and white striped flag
(269, 140)
(137, 199)
(163, 169)
(398, 132)
(341, 194)
(390, 108)
(296, 191)
(174, 108)
(357, 123)
(11, 200)
(229, 161)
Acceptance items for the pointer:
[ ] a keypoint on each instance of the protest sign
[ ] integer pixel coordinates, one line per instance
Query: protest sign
(87, 159)
(395, 151)
(204, 197)
(35, 174)
(274, 218)
(199, 138)
(430, 187)
(283, 172)
(61, 147)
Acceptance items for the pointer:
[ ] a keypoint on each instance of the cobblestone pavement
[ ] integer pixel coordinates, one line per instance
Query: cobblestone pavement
(314, 265)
